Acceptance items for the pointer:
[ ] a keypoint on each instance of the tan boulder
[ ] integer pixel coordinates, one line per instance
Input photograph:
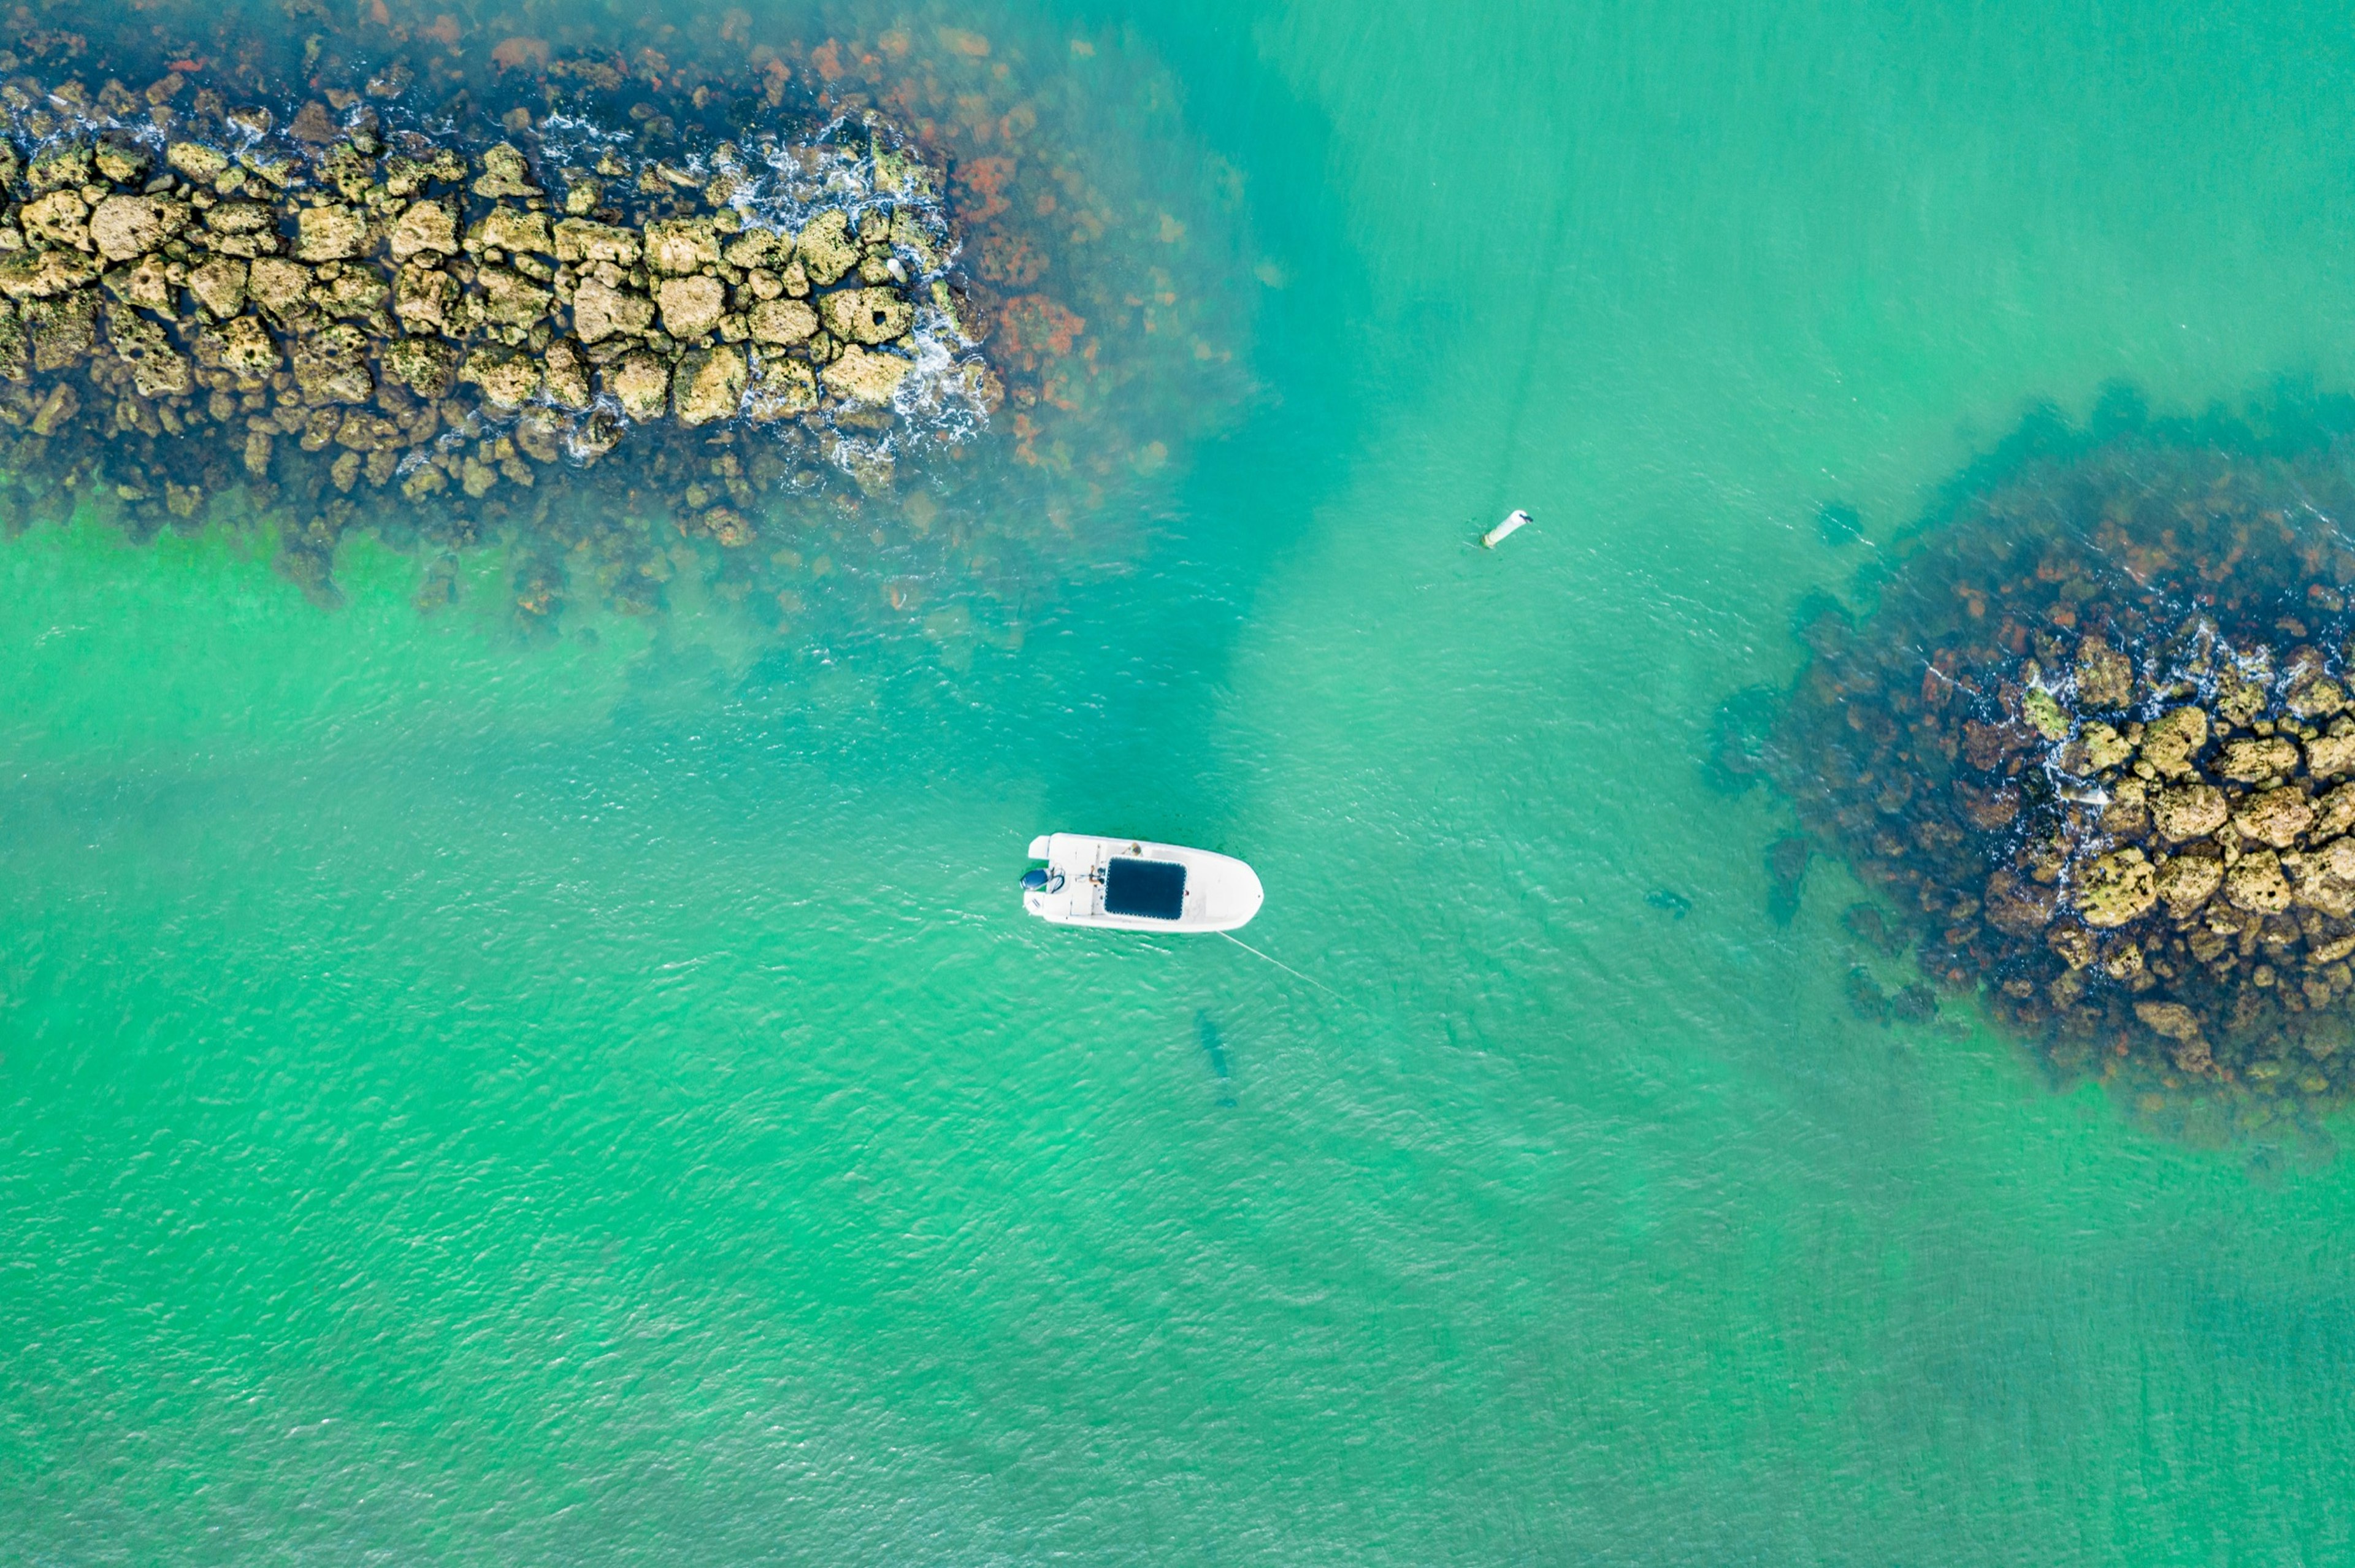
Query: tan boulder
(2334, 812)
(147, 283)
(2316, 696)
(781, 388)
(44, 274)
(508, 380)
(878, 315)
(2328, 757)
(510, 299)
(2171, 741)
(200, 162)
(600, 312)
(123, 227)
(2255, 883)
(691, 306)
(423, 297)
(61, 217)
(331, 366)
(514, 230)
(329, 233)
(758, 248)
(2187, 882)
(425, 364)
(2325, 878)
(826, 249)
(506, 172)
(641, 383)
(2105, 677)
(2188, 811)
(2252, 761)
(2116, 889)
(783, 321)
(710, 385)
(681, 245)
(157, 369)
(278, 285)
(863, 375)
(568, 377)
(219, 286)
(2275, 816)
(424, 228)
(242, 345)
(578, 239)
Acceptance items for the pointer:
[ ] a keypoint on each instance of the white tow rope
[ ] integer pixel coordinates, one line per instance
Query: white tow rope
(1287, 968)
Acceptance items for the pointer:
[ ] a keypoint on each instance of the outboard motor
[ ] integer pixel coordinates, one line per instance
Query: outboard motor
(1033, 880)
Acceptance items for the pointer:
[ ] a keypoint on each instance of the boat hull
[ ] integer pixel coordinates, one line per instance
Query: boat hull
(1134, 884)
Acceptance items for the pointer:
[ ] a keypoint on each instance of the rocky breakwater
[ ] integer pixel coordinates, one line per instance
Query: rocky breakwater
(192, 300)
(2096, 750)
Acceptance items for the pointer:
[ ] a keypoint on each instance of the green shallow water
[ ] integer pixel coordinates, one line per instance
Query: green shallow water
(471, 1100)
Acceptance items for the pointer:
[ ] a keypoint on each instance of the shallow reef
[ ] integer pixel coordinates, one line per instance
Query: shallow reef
(759, 308)
(2093, 748)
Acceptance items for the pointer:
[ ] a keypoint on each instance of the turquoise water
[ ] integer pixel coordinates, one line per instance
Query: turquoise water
(464, 1099)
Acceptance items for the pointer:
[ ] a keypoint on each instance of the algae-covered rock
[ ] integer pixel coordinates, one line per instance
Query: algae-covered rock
(331, 366)
(424, 228)
(2254, 760)
(2275, 816)
(601, 311)
(508, 380)
(201, 162)
(2118, 888)
(681, 245)
(875, 315)
(2187, 882)
(783, 322)
(2255, 883)
(691, 306)
(578, 239)
(241, 346)
(2328, 757)
(427, 365)
(2038, 705)
(124, 227)
(2104, 676)
(61, 218)
(710, 385)
(329, 233)
(2183, 812)
(2171, 741)
(780, 388)
(863, 375)
(63, 328)
(641, 383)
(824, 248)
(219, 286)
(44, 274)
(516, 231)
(506, 172)
(568, 377)
(61, 165)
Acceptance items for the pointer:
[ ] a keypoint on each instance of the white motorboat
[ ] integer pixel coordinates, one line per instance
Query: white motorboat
(1129, 884)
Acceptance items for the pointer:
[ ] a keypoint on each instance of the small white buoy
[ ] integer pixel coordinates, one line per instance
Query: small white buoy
(1504, 531)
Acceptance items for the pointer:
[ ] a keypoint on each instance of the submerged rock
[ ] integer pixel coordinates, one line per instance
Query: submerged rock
(2089, 753)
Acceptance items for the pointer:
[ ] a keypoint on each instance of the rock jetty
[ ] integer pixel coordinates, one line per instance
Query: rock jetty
(443, 317)
(2095, 749)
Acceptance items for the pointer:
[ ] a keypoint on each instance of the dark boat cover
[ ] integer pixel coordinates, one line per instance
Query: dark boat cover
(1149, 890)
